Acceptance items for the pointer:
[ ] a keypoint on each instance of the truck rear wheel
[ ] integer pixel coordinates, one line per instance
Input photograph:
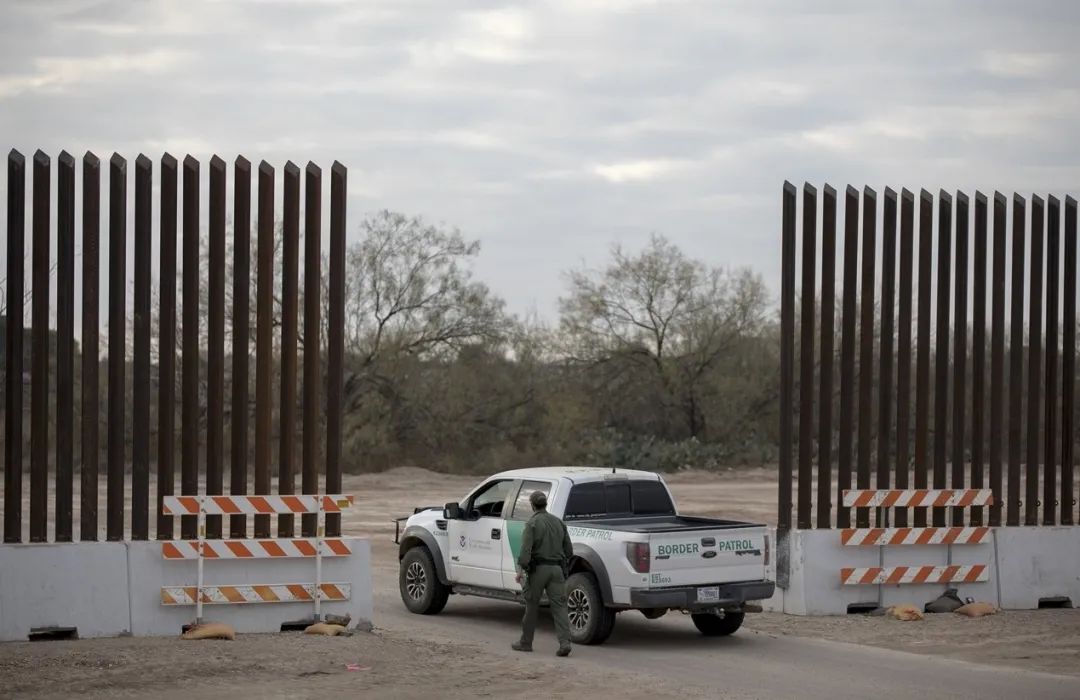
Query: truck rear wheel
(590, 621)
(418, 581)
(712, 625)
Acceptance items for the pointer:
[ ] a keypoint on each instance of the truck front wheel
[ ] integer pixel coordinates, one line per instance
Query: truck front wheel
(712, 625)
(421, 590)
(590, 621)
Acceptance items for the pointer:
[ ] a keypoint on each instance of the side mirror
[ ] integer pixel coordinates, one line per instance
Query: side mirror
(452, 511)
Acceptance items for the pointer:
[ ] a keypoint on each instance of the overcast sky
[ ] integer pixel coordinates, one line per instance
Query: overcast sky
(550, 130)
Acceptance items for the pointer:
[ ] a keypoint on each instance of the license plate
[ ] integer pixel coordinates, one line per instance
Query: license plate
(710, 594)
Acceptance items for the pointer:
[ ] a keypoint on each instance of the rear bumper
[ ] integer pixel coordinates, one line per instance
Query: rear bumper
(685, 597)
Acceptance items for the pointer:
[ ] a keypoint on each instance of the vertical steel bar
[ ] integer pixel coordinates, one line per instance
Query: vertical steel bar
(997, 360)
(65, 345)
(215, 338)
(336, 343)
(941, 358)
(885, 383)
(189, 353)
(847, 352)
(1034, 395)
(117, 435)
(241, 323)
(978, 354)
(91, 294)
(13, 391)
(806, 357)
(828, 336)
(1068, 365)
(166, 467)
(264, 357)
(140, 389)
(39, 355)
(903, 368)
(866, 350)
(922, 353)
(1016, 361)
(960, 351)
(787, 356)
(312, 379)
(289, 282)
(1053, 245)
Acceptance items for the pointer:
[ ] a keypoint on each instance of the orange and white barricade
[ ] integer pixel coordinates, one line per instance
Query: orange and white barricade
(202, 550)
(897, 536)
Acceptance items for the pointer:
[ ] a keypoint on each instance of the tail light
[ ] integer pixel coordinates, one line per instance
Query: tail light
(767, 551)
(638, 555)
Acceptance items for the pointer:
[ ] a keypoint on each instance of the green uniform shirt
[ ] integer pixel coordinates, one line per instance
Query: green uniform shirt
(545, 540)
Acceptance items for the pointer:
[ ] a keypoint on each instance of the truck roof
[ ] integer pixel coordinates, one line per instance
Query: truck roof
(577, 474)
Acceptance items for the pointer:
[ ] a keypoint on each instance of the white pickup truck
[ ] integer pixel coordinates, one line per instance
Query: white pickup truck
(632, 551)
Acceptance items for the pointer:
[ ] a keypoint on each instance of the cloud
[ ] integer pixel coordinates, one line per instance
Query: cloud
(638, 170)
(58, 74)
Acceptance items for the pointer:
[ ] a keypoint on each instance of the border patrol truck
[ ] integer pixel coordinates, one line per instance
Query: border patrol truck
(632, 550)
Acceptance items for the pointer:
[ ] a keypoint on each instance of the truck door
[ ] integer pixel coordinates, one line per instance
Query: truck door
(476, 542)
(518, 515)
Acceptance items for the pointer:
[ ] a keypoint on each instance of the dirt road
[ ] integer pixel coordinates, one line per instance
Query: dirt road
(465, 650)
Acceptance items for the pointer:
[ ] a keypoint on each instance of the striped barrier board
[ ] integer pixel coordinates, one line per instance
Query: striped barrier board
(255, 549)
(272, 593)
(874, 575)
(254, 505)
(917, 498)
(880, 536)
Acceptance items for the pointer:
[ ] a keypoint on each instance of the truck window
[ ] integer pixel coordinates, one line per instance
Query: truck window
(618, 498)
(651, 498)
(585, 501)
(488, 503)
(522, 508)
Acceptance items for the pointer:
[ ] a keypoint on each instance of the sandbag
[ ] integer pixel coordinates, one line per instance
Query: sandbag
(976, 610)
(904, 613)
(325, 629)
(210, 630)
(945, 603)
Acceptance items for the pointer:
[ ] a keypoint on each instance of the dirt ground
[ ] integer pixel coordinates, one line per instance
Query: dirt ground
(404, 662)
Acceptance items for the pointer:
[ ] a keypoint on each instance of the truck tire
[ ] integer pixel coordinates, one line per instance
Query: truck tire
(418, 581)
(715, 626)
(590, 621)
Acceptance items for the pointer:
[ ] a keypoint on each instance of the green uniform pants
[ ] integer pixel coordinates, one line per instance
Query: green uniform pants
(547, 578)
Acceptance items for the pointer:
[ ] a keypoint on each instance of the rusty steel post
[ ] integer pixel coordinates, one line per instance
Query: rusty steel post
(1016, 362)
(885, 383)
(978, 354)
(960, 351)
(903, 363)
(140, 389)
(866, 350)
(166, 466)
(787, 356)
(65, 345)
(189, 353)
(1034, 392)
(215, 339)
(1068, 366)
(117, 435)
(264, 341)
(1053, 245)
(997, 360)
(941, 356)
(241, 320)
(312, 379)
(806, 357)
(289, 282)
(91, 293)
(922, 352)
(847, 353)
(336, 340)
(828, 337)
(39, 354)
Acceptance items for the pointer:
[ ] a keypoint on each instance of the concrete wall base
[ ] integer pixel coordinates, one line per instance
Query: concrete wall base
(1026, 565)
(106, 589)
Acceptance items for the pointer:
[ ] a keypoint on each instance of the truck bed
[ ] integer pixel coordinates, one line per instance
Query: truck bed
(660, 524)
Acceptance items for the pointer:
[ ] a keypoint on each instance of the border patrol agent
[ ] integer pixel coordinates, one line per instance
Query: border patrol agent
(545, 550)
